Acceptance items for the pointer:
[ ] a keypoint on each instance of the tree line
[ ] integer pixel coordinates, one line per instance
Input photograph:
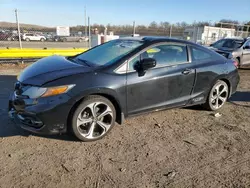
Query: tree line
(164, 28)
(161, 28)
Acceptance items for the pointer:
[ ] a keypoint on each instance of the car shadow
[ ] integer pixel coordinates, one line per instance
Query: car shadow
(7, 127)
(240, 96)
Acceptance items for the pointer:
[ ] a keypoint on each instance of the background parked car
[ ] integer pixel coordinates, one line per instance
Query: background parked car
(5, 36)
(238, 48)
(33, 37)
(70, 38)
(49, 37)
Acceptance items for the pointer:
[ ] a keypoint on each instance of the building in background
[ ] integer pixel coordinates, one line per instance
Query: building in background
(207, 34)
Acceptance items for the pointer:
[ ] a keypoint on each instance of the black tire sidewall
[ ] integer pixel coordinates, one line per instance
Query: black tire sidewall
(86, 102)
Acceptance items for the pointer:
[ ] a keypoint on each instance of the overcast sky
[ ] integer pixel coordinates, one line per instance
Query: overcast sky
(71, 12)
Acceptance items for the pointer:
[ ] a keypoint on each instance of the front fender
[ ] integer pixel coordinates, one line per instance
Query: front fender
(100, 91)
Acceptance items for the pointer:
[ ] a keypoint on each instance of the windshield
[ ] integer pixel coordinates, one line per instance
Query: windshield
(109, 52)
(228, 43)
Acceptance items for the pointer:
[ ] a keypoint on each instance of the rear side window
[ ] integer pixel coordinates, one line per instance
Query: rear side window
(198, 54)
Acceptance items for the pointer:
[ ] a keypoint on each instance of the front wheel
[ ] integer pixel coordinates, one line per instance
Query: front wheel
(93, 118)
(217, 96)
(42, 39)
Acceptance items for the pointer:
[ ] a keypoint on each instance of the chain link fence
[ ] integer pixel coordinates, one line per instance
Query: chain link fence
(208, 34)
(39, 36)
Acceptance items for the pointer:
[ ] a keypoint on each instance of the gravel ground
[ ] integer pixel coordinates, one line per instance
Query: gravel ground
(186, 147)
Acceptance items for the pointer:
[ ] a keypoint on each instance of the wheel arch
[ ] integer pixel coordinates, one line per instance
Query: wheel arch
(228, 84)
(111, 98)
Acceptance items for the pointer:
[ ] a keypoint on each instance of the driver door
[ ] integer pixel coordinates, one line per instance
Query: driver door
(168, 84)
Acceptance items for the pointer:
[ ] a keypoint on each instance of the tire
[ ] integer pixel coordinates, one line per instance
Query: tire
(27, 39)
(42, 39)
(218, 96)
(80, 40)
(96, 126)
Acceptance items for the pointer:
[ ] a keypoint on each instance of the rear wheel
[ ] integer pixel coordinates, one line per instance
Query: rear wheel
(27, 39)
(93, 118)
(80, 40)
(42, 40)
(217, 96)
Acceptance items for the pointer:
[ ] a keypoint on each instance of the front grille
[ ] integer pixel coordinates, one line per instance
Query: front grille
(30, 120)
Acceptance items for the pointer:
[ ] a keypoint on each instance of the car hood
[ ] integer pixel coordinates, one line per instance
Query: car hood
(49, 69)
(223, 49)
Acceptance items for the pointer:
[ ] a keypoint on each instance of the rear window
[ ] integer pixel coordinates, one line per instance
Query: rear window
(199, 54)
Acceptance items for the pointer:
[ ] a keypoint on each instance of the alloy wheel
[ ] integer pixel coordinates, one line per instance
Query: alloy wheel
(219, 95)
(94, 120)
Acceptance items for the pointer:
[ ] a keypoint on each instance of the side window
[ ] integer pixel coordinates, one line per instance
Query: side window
(132, 63)
(167, 54)
(247, 44)
(198, 54)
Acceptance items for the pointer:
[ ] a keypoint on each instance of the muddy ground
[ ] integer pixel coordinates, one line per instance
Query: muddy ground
(186, 147)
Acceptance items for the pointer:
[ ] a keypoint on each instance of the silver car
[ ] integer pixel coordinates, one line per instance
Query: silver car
(239, 48)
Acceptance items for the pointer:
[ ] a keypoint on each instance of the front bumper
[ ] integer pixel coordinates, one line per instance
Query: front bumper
(43, 116)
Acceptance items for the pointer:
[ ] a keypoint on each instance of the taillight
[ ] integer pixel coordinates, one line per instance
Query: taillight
(236, 64)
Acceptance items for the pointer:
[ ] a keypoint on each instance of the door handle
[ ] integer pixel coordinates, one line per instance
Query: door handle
(187, 71)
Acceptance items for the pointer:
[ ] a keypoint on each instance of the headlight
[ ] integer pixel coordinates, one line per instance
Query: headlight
(36, 92)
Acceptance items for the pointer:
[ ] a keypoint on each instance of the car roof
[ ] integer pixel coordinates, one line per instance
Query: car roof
(155, 39)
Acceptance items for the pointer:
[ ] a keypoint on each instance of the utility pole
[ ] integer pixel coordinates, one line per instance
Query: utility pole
(133, 28)
(18, 29)
(85, 18)
(170, 32)
(89, 33)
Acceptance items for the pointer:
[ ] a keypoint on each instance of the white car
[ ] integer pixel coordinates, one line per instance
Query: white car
(33, 37)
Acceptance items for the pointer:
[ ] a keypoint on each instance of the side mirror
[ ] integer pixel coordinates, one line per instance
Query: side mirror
(147, 63)
(144, 65)
(246, 47)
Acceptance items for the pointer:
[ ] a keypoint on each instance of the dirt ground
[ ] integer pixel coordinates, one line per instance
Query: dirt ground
(186, 147)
